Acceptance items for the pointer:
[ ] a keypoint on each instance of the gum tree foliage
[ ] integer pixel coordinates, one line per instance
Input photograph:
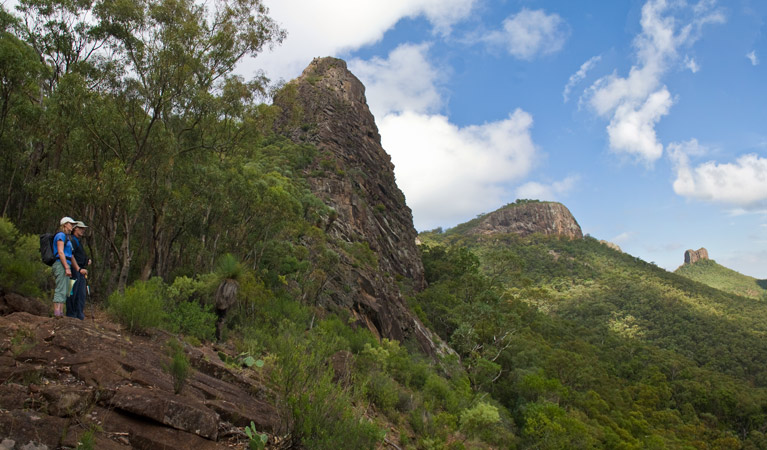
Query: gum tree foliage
(135, 122)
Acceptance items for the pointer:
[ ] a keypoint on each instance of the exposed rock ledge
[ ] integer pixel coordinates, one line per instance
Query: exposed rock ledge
(528, 217)
(62, 377)
(693, 256)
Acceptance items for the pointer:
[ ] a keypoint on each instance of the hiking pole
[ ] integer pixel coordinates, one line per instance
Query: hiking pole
(88, 298)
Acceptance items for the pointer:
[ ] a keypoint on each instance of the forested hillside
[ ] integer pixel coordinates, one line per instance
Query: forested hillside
(584, 344)
(710, 273)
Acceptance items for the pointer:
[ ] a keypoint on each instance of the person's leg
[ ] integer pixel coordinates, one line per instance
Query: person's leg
(62, 288)
(80, 288)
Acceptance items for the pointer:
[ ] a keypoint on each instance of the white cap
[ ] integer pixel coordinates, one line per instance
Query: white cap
(66, 219)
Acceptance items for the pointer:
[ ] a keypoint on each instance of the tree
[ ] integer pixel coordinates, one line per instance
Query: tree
(141, 101)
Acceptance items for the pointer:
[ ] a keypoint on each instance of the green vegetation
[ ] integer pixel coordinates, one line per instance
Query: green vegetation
(140, 307)
(22, 271)
(178, 368)
(710, 273)
(256, 440)
(588, 347)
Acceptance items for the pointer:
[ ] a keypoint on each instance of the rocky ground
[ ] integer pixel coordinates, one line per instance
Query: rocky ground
(62, 379)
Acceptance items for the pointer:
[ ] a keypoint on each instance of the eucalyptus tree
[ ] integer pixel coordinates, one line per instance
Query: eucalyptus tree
(21, 74)
(154, 103)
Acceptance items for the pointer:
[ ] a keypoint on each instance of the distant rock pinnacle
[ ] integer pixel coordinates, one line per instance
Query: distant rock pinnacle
(693, 256)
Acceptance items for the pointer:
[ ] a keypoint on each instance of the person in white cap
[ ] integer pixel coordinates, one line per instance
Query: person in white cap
(62, 268)
(76, 301)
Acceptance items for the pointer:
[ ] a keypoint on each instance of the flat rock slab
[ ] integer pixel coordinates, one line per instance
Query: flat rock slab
(26, 427)
(172, 410)
(139, 434)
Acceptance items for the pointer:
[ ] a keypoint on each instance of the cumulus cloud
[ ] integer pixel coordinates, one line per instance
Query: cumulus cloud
(624, 237)
(450, 174)
(405, 81)
(637, 102)
(753, 58)
(331, 27)
(691, 64)
(551, 192)
(741, 184)
(529, 33)
(578, 76)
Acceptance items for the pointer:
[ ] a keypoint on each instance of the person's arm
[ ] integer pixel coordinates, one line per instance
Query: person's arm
(75, 265)
(63, 257)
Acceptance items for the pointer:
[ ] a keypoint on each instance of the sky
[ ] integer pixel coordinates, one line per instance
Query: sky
(646, 118)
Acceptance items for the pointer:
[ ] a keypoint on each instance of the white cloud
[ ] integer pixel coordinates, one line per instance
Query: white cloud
(753, 58)
(450, 174)
(551, 192)
(331, 27)
(578, 76)
(632, 127)
(637, 102)
(624, 237)
(406, 81)
(528, 34)
(742, 184)
(691, 64)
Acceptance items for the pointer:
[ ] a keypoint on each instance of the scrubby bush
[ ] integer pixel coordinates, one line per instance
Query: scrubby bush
(315, 411)
(384, 392)
(178, 368)
(22, 271)
(140, 307)
(478, 418)
(193, 319)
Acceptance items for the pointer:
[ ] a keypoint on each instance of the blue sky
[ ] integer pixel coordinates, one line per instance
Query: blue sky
(647, 119)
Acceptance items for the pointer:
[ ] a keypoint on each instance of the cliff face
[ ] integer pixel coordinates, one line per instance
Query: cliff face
(352, 173)
(693, 256)
(549, 218)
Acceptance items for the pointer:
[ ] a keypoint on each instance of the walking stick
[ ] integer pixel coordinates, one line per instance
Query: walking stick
(88, 298)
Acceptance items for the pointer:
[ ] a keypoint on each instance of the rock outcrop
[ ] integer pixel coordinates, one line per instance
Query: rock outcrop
(611, 245)
(693, 256)
(528, 217)
(61, 378)
(354, 175)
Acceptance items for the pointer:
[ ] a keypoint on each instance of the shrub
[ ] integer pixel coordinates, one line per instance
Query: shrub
(315, 411)
(439, 393)
(478, 418)
(193, 319)
(384, 392)
(22, 271)
(140, 307)
(179, 366)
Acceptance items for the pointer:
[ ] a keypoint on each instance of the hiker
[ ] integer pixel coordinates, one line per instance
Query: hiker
(76, 301)
(64, 265)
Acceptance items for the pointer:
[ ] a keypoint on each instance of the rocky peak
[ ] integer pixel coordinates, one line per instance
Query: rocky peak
(527, 217)
(693, 256)
(352, 173)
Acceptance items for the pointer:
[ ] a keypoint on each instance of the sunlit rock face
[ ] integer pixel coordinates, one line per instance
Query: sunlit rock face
(693, 256)
(549, 218)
